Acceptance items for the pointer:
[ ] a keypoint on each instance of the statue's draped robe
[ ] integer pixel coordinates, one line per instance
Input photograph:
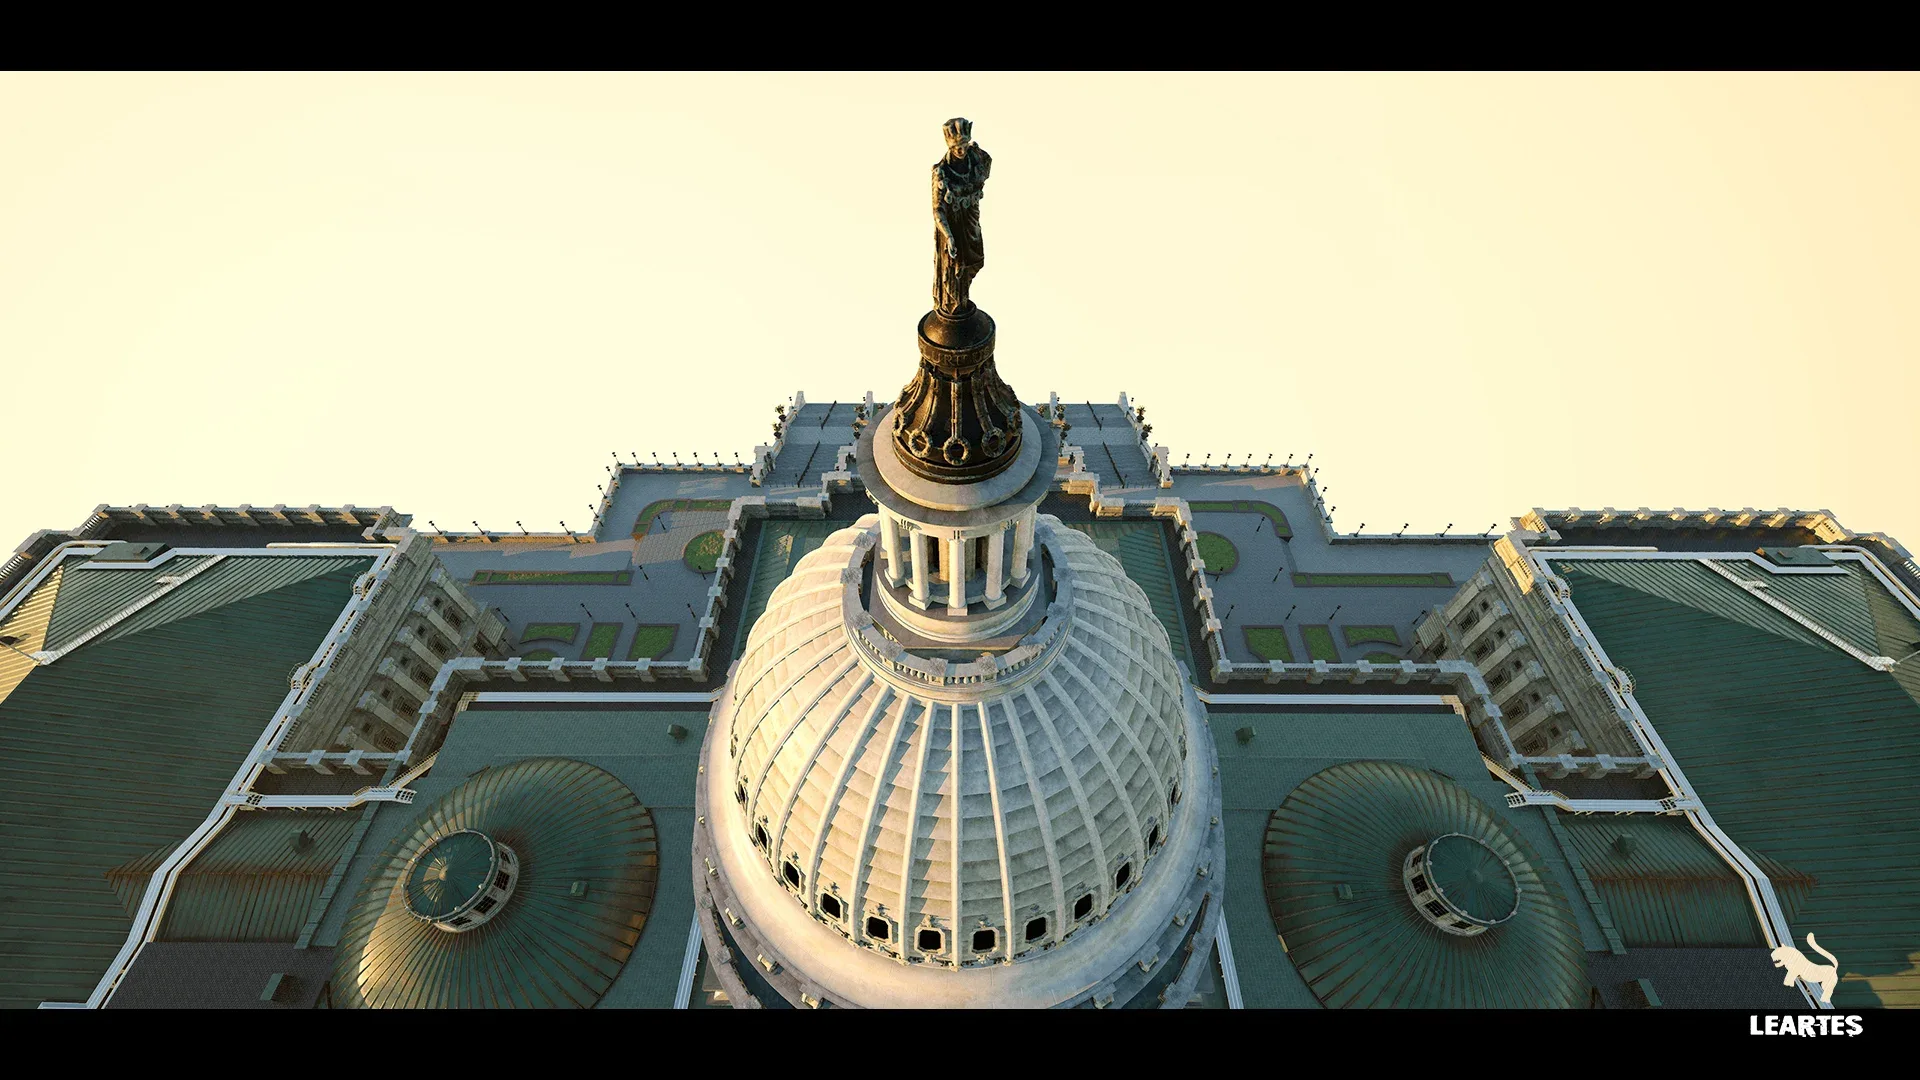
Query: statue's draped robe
(957, 186)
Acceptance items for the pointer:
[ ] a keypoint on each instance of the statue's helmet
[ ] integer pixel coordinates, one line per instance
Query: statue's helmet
(958, 129)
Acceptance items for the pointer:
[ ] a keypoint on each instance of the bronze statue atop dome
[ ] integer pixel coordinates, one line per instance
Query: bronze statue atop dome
(959, 181)
(956, 422)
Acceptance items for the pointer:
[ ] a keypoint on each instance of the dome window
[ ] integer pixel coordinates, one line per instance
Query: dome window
(983, 939)
(760, 837)
(1123, 875)
(1036, 928)
(1153, 838)
(740, 793)
(878, 930)
(1083, 907)
(929, 939)
(830, 905)
(791, 871)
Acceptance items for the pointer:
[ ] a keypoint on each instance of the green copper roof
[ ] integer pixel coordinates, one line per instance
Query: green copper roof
(123, 746)
(88, 596)
(1332, 869)
(782, 544)
(1141, 547)
(1666, 888)
(589, 863)
(257, 880)
(1691, 584)
(1798, 750)
(1836, 601)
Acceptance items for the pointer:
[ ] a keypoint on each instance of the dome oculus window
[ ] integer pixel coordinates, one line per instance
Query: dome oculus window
(1036, 928)
(1123, 875)
(928, 939)
(1083, 907)
(791, 871)
(983, 939)
(830, 905)
(878, 929)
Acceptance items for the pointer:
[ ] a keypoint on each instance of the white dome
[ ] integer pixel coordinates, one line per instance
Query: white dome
(1069, 752)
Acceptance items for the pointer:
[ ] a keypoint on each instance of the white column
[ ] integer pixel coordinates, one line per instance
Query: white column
(890, 544)
(956, 561)
(996, 567)
(918, 541)
(1022, 547)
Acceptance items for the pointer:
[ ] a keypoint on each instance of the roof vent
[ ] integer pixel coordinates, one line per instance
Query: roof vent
(1795, 556)
(302, 840)
(1623, 845)
(122, 551)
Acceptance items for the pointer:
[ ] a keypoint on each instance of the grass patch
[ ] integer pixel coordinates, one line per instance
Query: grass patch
(703, 551)
(1439, 579)
(1217, 551)
(552, 577)
(1382, 658)
(601, 640)
(550, 631)
(1269, 643)
(1268, 510)
(1364, 635)
(661, 506)
(651, 642)
(1320, 645)
(540, 654)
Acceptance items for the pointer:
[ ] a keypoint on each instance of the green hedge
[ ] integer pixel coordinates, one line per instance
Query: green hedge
(601, 640)
(1269, 643)
(1270, 511)
(652, 641)
(540, 654)
(552, 577)
(1439, 579)
(1217, 552)
(550, 631)
(1363, 635)
(1319, 640)
(661, 506)
(703, 551)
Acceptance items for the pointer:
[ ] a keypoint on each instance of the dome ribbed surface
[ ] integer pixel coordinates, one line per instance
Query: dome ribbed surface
(568, 822)
(1353, 825)
(1051, 783)
(1473, 877)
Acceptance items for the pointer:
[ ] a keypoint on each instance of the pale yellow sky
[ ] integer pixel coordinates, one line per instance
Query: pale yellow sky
(1468, 295)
